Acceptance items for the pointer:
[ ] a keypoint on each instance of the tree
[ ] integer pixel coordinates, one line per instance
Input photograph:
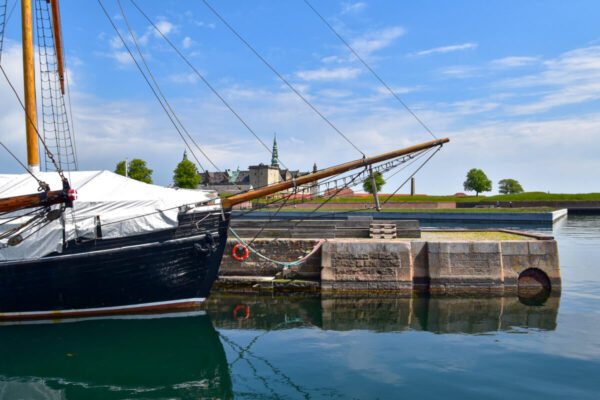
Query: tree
(136, 169)
(186, 175)
(477, 181)
(379, 182)
(510, 186)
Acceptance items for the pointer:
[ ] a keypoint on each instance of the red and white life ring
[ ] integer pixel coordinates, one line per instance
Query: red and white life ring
(244, 250)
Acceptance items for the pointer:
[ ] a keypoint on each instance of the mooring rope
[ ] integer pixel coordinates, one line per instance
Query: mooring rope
(286, 264)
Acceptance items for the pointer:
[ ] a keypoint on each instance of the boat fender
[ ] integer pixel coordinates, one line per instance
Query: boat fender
(243, 317)
(244, 249)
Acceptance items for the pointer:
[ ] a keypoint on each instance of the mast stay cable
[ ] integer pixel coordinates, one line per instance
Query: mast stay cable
(159, 89)
(55, 119)
(281, 77)
(148, 82)
(3, 10)
(215, 92)
(371, 69)
(49, 153)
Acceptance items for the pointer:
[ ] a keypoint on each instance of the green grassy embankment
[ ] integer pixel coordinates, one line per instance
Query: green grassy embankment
(529, 196)
(429, 210)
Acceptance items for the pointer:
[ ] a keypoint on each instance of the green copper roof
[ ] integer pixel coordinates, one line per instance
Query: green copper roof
(275, 155)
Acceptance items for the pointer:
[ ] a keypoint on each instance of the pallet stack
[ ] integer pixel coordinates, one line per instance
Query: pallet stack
(383, 230)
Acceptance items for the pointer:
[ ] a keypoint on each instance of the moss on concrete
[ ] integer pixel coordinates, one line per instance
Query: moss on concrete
(470, 235)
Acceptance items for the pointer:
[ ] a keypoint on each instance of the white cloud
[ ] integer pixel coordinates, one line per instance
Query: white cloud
(447, 49)
(187, 42)
(116, 43)
(353, 8)
(331, 59)
(376, 40)
(122, 57)
(184, 78)
(334, 93)
(324, 74)
(460, 71)
(473, 106)
(165, 27)
(513, 62)
(571, 78)
(399, 89)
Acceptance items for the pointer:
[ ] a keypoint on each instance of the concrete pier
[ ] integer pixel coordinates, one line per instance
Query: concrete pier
(440, 266)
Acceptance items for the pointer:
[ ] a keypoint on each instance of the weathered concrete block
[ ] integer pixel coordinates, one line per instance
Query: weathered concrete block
(418, 252)
(485, 247)
(356, 264)
(459, 265)
(454, 247)
(514, 247)
(520, 256)
(542, 247)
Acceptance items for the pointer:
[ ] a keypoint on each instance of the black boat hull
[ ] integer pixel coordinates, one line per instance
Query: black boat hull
(164, 270)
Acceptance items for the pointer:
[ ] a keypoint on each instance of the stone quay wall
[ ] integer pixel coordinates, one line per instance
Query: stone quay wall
(451, 266)
(403, 265)
(285, 250)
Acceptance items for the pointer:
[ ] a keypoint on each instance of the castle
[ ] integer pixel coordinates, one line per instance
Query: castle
(255, 177)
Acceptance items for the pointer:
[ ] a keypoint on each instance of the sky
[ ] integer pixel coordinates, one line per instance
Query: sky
(515, 86)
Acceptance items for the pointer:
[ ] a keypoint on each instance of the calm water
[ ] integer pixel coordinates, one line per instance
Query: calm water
(310, 347)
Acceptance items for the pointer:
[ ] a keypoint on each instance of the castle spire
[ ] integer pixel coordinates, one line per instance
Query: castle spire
(275, 156)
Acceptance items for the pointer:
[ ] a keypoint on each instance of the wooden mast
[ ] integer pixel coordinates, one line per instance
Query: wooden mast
(29, 81)
(240, 198)
(58, 43)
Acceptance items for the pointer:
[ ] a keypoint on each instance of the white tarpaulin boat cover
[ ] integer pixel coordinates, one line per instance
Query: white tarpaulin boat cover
(124, 207)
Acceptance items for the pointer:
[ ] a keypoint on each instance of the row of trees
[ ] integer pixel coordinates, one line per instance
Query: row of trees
(184, 176)
(478, 182)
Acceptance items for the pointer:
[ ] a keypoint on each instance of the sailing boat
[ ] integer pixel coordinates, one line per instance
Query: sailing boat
(100, 243)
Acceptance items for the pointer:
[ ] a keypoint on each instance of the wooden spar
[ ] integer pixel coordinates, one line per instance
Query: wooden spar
(58, 43)
(242, 197)
(32, 200)
(29, 81)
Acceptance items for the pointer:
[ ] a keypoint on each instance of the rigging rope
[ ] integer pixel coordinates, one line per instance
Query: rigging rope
(286, 264)
(161, 92)
(41, 183)
(281, 77)
(49, 153)
(147, 81)
(370, 69)
(215, 92)
(3, 9)
(55, 119)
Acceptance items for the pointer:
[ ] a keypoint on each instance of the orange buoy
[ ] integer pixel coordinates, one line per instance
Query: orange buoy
(245, 252)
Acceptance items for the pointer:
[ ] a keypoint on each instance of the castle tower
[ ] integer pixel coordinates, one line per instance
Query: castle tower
(275, 156)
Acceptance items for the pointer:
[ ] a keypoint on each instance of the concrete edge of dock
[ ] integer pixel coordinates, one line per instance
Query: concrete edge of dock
(371, 265)
(490, 217)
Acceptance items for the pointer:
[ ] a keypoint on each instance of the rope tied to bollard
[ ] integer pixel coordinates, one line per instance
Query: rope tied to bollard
(288, 264)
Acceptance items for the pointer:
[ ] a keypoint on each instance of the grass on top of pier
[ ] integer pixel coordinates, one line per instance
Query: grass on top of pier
(528, 196)
(471, 235)
(433, 210)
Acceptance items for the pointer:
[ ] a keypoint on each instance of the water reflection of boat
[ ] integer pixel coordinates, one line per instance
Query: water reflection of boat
(180, 357)
(385, 314)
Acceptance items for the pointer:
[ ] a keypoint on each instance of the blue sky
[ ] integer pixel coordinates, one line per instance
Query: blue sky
(515, 85)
